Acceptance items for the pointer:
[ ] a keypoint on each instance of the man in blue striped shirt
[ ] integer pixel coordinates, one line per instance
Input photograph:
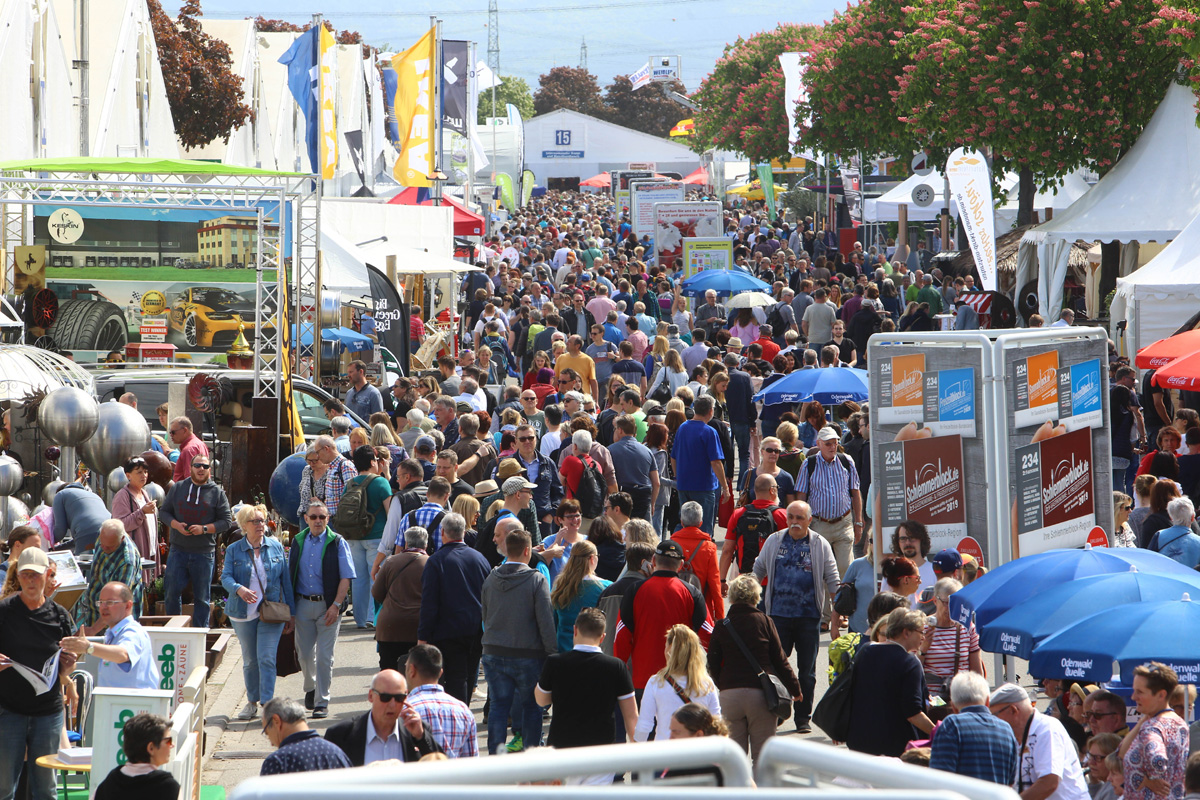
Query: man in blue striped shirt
(972, 742)
(828, 482)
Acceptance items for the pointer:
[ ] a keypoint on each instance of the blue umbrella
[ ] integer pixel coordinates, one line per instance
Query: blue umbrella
(723, 282)
(829, 385)
(346, 338)
(1008, 584)
(1019, 630)
(1140, 632)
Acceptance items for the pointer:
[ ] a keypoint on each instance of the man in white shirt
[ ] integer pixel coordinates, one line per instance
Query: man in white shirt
(391, 730)
(1065, 320)
(1049, 766)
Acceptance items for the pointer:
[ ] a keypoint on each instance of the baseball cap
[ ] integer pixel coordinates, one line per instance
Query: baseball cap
(1007, 693)
(826, 434)
(35, 559)
(425, 443)
(669, 548)
(947, 561)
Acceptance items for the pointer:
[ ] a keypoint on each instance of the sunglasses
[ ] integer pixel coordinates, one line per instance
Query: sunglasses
(774, 450)
(199, 466)
(1099, 714)
(525, 438)
(315, 517)
(388, 697)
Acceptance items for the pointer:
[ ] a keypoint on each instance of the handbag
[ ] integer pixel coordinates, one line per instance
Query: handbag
(287, 660)
(779, 699)
(832, 713)
(662, 393)
(270, 611)
(845, 602)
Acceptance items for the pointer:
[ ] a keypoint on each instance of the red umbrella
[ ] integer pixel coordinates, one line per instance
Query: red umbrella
(697, 178)
(601, 181)
(1182, 373)
(1164, 351)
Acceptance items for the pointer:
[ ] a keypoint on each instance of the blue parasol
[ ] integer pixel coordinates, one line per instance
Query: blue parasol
(828, 385)
(723, 282)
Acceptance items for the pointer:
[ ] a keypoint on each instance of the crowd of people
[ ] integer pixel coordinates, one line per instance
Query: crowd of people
(535, 518)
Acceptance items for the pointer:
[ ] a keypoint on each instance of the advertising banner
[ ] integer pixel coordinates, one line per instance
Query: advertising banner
(626, 175)
(622, 204)
(1079, 402)
(949, 402)
(111, 709)
(674, 222)
(643, 195)
(413, 104)
(971, 186)
(922, 480)
(1035, 388)
(901, 385)
(702, 254)
(454, 86)
(1055, 492)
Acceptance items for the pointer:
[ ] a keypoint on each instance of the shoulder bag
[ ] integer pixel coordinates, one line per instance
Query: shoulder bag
(779, 699)
(832, 713)
(269, 611)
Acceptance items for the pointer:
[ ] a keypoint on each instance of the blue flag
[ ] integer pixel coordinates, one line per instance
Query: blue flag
(301, 61)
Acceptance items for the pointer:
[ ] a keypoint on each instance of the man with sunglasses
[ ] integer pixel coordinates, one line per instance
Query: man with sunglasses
(1107, 713)
(391, 730)
(190, 446)
(541, 471)
(195, 510)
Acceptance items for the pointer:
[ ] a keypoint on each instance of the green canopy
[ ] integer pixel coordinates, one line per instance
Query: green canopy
(163, 166)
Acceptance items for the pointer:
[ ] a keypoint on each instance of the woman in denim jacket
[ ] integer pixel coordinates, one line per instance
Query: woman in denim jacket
(252, 561)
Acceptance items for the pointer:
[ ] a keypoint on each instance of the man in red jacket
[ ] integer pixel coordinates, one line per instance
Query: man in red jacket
(755, 516)
(703, 564)
(649, 610)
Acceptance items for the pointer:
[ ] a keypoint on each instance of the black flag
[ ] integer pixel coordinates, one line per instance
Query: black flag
(391, 316)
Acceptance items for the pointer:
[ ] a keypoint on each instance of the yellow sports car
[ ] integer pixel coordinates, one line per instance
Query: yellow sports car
(207, 316)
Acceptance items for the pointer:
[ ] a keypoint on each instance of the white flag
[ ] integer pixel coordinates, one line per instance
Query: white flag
(793, 90)
(971, 187)
(484, 77)
(641, 77)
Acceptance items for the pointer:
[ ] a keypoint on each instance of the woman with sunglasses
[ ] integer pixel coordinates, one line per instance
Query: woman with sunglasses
(1123, 535)
(255, 570)
(146, 740)
(768, 464)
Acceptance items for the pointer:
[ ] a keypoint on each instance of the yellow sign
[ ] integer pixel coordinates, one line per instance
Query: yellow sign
(329, 149)
(154, 303)
(414, 112)
(31, 259)
(794, 165)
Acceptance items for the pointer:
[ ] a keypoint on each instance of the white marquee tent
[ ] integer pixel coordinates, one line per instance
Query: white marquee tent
(1156, 299)
(1151, 195)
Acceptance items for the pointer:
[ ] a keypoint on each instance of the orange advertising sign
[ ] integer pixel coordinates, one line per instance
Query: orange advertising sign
(902, 385)
(1036, 388)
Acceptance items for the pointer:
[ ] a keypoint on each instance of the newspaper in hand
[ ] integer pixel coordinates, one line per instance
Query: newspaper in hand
(42, 681)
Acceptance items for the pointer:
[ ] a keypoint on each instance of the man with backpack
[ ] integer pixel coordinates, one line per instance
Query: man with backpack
(583, 480)
(828, 481)
(360, 519)
(782, 317)
(635, 467)
(699, 558)
(749, 527)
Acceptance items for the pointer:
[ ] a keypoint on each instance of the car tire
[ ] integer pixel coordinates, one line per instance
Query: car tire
(189, 330)
(89, 325)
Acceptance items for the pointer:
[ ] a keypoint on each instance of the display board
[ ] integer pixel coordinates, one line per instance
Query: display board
(111, 709)
(702, 254)
(644, 195)
(674, 222)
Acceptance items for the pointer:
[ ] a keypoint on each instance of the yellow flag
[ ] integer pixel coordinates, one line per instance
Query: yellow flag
(414, 109)
(329, 148)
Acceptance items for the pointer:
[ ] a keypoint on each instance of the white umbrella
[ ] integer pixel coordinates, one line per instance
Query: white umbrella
(750, 300)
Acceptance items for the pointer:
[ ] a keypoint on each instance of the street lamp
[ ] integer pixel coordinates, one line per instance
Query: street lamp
(436, 179)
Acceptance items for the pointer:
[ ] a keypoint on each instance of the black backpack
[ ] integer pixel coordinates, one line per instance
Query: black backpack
(810, 464)
(687, 575)
(605, 425)
(775, 320)
(753, 527)
(352, 520)
(591, 489)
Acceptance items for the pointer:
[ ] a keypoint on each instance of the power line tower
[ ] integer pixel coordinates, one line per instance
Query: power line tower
(583, 53)
(493, 37)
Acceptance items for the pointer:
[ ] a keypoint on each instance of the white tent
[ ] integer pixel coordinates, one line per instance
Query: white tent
(1151, 194)
(344, 264)
(1059, 199)
(1156, 299)
(886, 207)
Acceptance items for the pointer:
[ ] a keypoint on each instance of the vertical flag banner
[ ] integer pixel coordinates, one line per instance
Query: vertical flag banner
(527, 181)
(767, 180)
(507, 191)
(454, 86)
(301, 61)
(793, 91)
(413, 104)
(972, 189)
(329, 140)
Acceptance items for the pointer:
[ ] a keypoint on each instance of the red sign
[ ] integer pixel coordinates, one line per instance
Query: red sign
(969, 547)
(933, 481)
(1097, 537)
(1067, 478)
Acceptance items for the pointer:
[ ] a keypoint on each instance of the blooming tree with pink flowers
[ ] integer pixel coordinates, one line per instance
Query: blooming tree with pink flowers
(1043, 86)
(741, 101)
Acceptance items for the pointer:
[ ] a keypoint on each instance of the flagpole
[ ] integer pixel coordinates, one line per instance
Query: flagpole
(472, 116)
(317, 168)
(439, 71)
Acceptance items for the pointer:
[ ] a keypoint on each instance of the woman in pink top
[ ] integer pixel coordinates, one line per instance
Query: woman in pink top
(745, 327)
(1155, 752)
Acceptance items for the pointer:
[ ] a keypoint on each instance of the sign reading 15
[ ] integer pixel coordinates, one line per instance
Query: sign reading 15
(562, 138)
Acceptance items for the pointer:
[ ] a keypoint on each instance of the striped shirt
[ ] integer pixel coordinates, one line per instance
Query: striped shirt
(340, 471)
(449, 719)
(123, 564)
(828, 495)
(976, 744)
(946, 643)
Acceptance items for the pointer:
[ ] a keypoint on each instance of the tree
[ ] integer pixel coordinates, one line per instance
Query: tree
(741, 101)
(204, 94)
(572, 88)
(851, 74)
(264, 25)
(1043, 86)
(511, 90)
(646, 109)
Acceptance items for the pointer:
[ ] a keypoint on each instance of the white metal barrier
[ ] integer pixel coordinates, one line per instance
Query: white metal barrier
(321, 784)
(795, 762)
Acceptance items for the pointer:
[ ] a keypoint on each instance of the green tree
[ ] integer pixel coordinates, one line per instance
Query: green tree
(741, 101)
(572, 88)
(1043, 86)
(204, 94)
(511, 90)
(850, 78)
(646, 109)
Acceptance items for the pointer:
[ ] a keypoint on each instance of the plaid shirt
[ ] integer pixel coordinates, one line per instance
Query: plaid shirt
(341, 470)
(450, 720)
(123, 564)
(423, 517)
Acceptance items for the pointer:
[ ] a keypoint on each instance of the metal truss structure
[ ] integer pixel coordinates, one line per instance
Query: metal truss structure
(295, 198)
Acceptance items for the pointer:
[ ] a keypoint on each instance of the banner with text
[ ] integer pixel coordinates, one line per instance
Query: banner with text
(1055, 494)
(674, 222)
(702, 254)
(922, 480)
(643, 195)
(971, 185)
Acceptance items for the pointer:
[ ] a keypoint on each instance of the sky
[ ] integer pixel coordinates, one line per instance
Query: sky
(536, 35)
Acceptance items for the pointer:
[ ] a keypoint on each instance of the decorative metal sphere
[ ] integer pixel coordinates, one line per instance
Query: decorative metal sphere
(50, 490)
(53, 453)
(120, 434)
(26, 498)
(284, 487)
(117, 480)
(160, 467)
(69, 416)
(11, 476)
(12, 513)
(155, 492)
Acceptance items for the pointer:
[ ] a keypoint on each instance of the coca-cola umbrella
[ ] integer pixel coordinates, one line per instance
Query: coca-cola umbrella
(1183, 373)
(1164, 351)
